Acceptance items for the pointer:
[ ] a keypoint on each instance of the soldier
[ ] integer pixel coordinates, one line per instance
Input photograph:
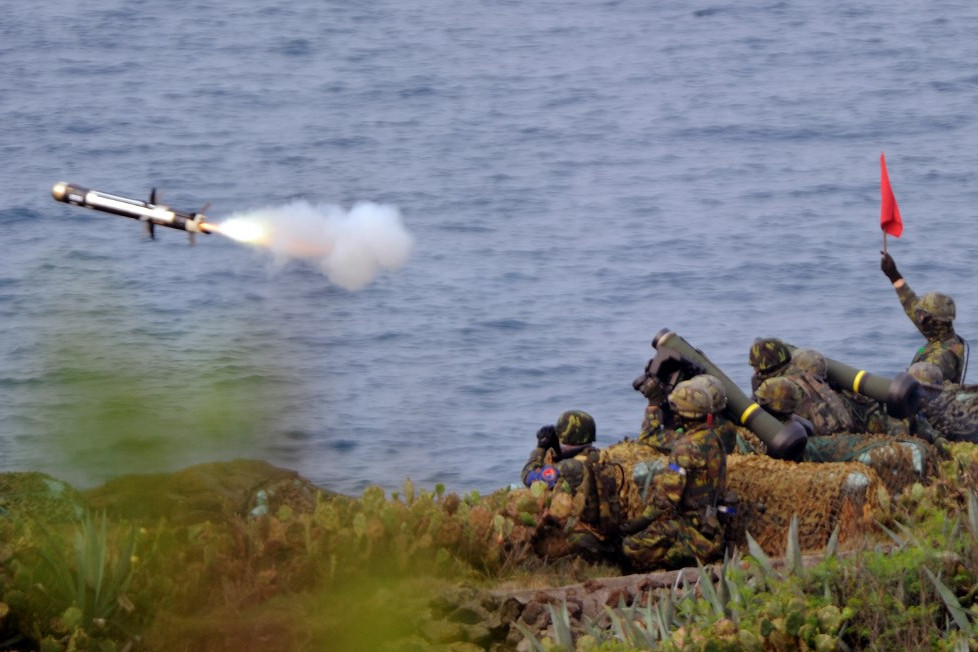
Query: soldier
(933, 315)
(784, 389)
(657, 415)
(769, 357)
(950, 408)
(565, 457)
(661, 376)
(680, 522)
(562, 451)
(868, 415)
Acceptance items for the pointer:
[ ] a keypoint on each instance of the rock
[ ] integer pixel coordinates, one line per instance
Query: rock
(509, 610)
(535, 615)
(469, 614)
(478, 634)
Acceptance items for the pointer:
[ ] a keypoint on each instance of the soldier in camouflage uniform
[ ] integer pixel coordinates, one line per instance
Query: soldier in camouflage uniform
(680, 522)
(658, 416)
(950, 408)
(783, 389)
(566, 458)
(869, 415)
(769, 357)
(562, 451)
(933, 315)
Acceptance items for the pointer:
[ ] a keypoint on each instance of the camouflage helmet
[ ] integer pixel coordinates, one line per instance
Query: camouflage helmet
(575, 427)
(926, 372)
(937, 306)
(779, 395)
(769, 354)
(697, 397)
(811, 361)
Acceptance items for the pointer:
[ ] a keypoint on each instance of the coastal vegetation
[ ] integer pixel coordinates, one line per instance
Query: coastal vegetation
(245, 556)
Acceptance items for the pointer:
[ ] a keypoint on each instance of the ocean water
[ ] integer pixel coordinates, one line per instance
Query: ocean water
(575, 176)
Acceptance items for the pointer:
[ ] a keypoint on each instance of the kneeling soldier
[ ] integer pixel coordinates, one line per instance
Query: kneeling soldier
(680, 523)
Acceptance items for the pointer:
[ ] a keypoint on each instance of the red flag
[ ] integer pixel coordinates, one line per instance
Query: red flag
(889, 211)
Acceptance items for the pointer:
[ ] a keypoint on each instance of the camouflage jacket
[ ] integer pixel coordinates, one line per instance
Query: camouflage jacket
(944, 349)
(821, 404)
(825, 408)
(954, 412)
(695, 479)
(571, 468)
(653, 423)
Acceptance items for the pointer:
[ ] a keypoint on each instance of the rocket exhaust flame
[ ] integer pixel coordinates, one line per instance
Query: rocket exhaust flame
(350, 247)
(242, 230)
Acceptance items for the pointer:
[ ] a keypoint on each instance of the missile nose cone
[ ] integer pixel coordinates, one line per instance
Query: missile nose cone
(59, 191)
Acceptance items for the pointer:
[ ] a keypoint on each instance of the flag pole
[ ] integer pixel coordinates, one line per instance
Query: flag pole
(884, 242)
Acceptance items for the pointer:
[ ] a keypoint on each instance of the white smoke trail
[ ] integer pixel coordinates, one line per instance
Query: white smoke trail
(351, 247)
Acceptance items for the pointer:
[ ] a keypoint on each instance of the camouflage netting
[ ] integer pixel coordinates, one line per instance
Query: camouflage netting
(747, 443)
(769, 492)
(628, 454)
(822, 495)
(899, 462)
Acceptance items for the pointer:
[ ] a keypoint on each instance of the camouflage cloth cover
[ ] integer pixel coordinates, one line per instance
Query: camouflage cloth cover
(697, 397)
(943, 348)
(926, 372)
(822, 496)
(640, 463)
(954, 412)
(898, 461)
(809, 360)
(779, 394)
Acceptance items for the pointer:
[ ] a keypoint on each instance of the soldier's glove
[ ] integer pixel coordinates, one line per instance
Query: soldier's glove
(889, 267)
(651, 388)
(633, 525)
(547, 438)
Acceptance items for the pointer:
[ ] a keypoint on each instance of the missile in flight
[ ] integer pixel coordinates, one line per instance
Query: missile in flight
(148, 212)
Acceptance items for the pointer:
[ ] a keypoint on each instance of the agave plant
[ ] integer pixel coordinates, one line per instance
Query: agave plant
(96, 588)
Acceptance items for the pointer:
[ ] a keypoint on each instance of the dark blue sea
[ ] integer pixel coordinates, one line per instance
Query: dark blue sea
(574, 175)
